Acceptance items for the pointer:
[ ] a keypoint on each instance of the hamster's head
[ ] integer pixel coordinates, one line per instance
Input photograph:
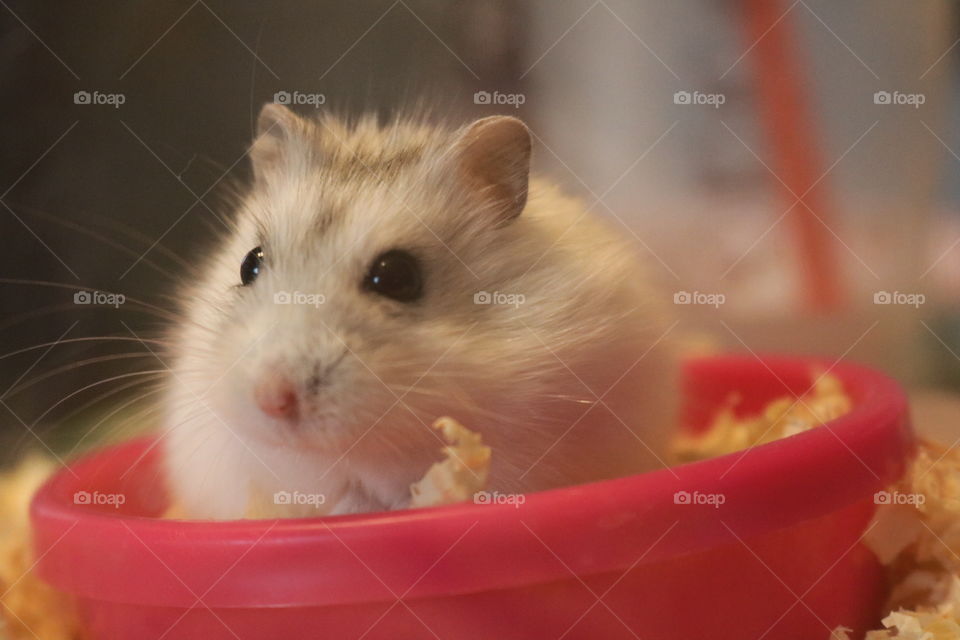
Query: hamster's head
(341, 311)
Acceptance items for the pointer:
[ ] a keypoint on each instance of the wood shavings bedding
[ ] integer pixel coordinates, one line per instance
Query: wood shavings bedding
(915, 532)
(780, 418)
(460, 475)
(30, 609)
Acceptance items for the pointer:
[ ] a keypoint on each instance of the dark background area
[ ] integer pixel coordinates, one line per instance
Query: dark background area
(125, 199)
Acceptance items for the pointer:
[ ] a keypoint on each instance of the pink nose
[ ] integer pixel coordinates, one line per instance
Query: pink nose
(276, 396)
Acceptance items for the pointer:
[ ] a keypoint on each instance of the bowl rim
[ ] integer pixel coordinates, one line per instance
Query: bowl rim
(90, 553)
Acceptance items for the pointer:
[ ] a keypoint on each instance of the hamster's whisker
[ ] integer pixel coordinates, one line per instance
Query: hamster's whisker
(48, 310)
(75, 340)
(186, 320)
(467, 402)
(158, 311)
(189, 421)
(152, 372)
(144, 382)
(75, 365)
(150, 408)
(112, 225)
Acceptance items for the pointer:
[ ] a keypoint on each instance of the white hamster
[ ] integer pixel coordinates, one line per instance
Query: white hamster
(380, 275)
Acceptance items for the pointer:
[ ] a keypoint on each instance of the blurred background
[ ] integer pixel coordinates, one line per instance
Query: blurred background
(788, 169)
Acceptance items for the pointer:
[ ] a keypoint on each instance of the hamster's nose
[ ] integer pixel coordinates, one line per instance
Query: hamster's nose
(276, 396)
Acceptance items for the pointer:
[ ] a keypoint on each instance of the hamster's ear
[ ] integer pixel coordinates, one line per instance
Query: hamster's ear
(276, 125)
(494, 157)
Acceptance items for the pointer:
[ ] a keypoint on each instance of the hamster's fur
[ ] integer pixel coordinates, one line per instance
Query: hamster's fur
(531, 310)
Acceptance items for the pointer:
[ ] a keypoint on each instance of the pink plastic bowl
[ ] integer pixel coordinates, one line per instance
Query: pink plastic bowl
(779, 558)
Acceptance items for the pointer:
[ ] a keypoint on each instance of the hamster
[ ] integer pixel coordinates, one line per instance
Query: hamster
(381, 275)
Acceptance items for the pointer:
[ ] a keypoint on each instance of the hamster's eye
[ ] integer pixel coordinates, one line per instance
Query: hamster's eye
(396, 275)
(250, 268)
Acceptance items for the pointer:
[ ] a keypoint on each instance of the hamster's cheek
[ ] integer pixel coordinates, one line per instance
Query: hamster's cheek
(350, 394)
(230, 408)
(217, 369)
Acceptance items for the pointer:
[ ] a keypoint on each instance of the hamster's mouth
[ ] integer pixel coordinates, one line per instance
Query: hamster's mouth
(320, 435)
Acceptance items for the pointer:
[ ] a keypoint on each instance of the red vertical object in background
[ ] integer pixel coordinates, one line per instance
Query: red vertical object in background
(783, 101)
